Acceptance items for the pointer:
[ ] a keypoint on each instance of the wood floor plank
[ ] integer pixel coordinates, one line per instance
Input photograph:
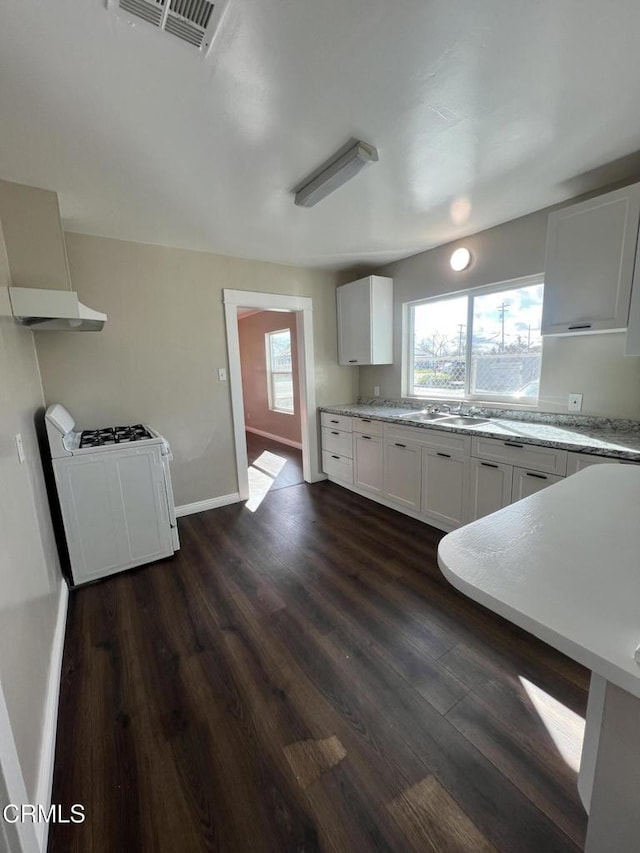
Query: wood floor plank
(302, 678)
(433, 820)
(520, 746)
(444, 752)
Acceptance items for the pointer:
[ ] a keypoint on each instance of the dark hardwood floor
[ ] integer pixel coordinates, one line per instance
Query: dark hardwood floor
(302, 678)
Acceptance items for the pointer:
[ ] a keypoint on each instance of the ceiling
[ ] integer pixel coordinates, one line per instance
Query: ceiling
(481, 112)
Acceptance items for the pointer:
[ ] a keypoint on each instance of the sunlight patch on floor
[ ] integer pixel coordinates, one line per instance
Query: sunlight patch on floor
(270, 463)
(262, 475)
(565, 727)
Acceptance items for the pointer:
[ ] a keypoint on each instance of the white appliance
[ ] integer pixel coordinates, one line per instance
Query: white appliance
(116, 499)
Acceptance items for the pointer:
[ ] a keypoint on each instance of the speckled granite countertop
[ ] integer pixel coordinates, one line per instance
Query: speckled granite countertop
(601, 436)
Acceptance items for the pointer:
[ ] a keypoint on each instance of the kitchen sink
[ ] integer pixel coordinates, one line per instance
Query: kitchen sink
(424, 416)
(463, 420)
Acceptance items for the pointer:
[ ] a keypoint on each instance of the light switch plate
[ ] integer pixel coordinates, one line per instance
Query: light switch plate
(222, 374)
(20, 448)
(574, 403)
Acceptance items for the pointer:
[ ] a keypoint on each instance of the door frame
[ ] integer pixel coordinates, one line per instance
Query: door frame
(302, 306)
(20, 837)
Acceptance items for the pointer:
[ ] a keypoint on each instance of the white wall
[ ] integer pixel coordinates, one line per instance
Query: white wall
(157, 358)
(30, 579)
(593, 365)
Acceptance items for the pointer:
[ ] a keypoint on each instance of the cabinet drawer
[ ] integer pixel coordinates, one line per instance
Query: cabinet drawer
(368, 426)
(546, 459)
(450, 442)
(342, 422)
(336, 441)
(337, 466)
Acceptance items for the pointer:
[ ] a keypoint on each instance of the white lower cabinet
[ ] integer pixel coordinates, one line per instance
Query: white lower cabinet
(402, 472)
(337, 446)
(368, 451)
(489, 487)
(445, 479)
(579, 461)
(527, 483)
(494, 485)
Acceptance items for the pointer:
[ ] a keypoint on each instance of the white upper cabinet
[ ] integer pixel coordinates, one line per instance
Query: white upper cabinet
(365, 321)
(589, 265)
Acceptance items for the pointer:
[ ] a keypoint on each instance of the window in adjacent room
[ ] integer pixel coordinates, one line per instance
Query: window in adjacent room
(481, 344)
(279, 371)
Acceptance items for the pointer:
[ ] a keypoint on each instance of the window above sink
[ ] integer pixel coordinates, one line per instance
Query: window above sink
(480, 344)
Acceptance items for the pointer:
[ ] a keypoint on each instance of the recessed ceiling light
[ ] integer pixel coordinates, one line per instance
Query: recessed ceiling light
(460, 259)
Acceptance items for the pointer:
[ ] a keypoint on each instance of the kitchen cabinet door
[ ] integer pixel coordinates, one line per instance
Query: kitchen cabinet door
(444, 487)
(579, 461)
(489, 487)
(365, 321)
(527, 483)
(402, 473)
(368, 455)
(590, 262)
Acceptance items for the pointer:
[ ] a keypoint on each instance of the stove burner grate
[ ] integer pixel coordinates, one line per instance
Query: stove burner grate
(113, 435)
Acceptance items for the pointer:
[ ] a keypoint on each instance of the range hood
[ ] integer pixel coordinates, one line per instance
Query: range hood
(54, 310)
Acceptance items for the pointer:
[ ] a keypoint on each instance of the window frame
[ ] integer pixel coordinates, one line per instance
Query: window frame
(408, 344)
(271, 396)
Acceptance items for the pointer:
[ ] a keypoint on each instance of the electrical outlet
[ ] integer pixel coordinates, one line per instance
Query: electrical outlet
(574, 403)
(376, 390)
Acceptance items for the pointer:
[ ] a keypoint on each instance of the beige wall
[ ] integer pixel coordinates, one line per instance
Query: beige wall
(593, 365)
(253, 356)
(33, 236)
(30, 579)
(157, 358)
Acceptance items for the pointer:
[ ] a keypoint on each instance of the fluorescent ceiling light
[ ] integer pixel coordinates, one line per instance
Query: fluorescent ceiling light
(340, 169)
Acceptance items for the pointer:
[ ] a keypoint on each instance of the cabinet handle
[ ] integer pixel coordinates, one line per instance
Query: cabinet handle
(366, 420)
(335, 457)
(580, 326)
(334, 422)
(368, 437)
(334, 432)
(353, 361)
(400, 445)
(446, 455)
(512, 444)
(537, 476)
(488, 465)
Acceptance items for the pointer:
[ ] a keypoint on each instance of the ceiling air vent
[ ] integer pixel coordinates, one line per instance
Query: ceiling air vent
(192, 21)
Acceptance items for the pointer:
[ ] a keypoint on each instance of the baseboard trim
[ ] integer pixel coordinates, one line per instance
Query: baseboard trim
(48, 748)
(211, 503)
(279, 439)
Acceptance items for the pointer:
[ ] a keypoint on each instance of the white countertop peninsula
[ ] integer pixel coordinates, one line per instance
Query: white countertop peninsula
(564, 564)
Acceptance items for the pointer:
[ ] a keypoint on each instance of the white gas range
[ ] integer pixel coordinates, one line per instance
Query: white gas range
(115, 493)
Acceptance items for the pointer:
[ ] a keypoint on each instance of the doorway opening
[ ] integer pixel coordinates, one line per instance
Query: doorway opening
(273, 398)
